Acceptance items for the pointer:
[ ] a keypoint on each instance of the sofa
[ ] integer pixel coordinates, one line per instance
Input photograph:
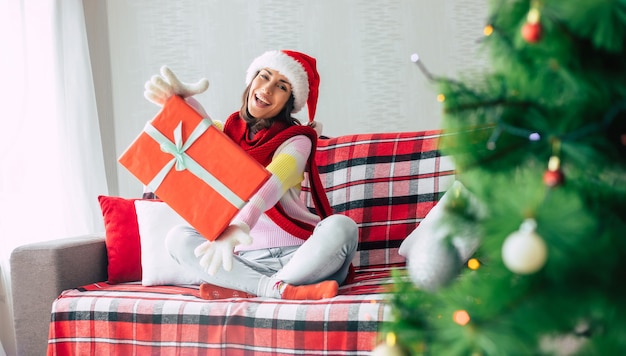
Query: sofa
(64, 302)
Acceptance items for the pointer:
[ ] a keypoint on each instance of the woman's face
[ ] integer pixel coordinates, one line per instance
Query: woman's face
(269, 92)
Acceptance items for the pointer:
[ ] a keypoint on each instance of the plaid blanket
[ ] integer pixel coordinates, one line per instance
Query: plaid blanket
(129, 319)
(386, 182)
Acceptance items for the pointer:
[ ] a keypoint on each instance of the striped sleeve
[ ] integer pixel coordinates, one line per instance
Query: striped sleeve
(218, 124)
(287, 168)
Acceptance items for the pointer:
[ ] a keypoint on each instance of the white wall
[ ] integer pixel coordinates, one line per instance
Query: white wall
(368, 83)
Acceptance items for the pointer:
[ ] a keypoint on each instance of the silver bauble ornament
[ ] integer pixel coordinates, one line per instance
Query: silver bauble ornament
(432, 263)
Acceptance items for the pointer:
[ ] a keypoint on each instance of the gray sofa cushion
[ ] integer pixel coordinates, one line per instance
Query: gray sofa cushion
(40, 272)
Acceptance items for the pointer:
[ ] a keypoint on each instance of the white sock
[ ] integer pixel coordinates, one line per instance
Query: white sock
(270, 287)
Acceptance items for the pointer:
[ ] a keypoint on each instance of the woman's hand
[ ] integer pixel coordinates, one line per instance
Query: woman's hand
(220, 251)
(160, 88)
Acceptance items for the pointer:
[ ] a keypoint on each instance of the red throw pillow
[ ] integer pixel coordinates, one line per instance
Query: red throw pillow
(122, 239)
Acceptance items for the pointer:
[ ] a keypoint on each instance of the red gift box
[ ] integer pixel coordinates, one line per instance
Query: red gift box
(194, 167)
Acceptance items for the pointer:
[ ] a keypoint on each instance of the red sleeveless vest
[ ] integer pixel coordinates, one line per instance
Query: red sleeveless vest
(262, 148)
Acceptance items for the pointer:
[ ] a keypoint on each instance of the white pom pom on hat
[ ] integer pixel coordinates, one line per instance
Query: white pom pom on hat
(301, 71)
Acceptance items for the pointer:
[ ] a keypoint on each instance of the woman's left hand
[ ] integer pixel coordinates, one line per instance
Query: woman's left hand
(220, 251)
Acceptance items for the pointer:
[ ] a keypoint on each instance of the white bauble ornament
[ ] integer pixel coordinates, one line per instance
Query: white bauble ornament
(523, 251)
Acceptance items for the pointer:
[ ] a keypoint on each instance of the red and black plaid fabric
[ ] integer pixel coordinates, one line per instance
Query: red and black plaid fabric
(129, 319)
(386, 182)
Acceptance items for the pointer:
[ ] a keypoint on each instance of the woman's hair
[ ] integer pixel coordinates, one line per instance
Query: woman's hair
(283, 116)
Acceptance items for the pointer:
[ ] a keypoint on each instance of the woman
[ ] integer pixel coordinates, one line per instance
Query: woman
(275, 247)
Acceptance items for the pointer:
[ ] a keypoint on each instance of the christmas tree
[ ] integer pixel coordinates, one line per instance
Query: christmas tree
(539, 142)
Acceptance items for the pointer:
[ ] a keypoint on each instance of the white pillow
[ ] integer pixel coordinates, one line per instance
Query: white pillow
(155, 220)
(427, 227)
(434, 226)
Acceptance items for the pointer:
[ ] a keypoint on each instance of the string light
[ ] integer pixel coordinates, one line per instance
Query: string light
(461, 317)
(441, 98)
(488, 30)
(572, 136)
(390, 339)
(473, 264)
(415, 58)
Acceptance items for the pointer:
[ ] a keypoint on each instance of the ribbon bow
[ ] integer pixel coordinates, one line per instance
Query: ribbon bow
(181, 160)
(178, 149)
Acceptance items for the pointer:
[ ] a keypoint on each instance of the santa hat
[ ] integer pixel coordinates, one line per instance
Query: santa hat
(300, 70)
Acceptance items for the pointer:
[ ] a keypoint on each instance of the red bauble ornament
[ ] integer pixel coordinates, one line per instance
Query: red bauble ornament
(553, 178)
(554, 175)
(531, 32)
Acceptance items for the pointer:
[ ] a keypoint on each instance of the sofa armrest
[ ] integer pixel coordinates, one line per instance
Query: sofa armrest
(40, 272)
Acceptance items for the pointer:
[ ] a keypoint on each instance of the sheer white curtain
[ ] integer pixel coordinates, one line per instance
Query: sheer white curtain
(51, 163)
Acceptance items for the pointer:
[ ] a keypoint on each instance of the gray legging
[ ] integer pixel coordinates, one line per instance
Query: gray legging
(325, 255)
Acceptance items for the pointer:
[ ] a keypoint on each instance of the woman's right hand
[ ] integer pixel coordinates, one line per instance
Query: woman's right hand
(160, 88)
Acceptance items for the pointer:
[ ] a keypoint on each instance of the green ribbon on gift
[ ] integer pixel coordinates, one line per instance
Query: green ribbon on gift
(182, 160)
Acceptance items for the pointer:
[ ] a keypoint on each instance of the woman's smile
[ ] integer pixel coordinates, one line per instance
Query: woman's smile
(262, 100)
(269, 92)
